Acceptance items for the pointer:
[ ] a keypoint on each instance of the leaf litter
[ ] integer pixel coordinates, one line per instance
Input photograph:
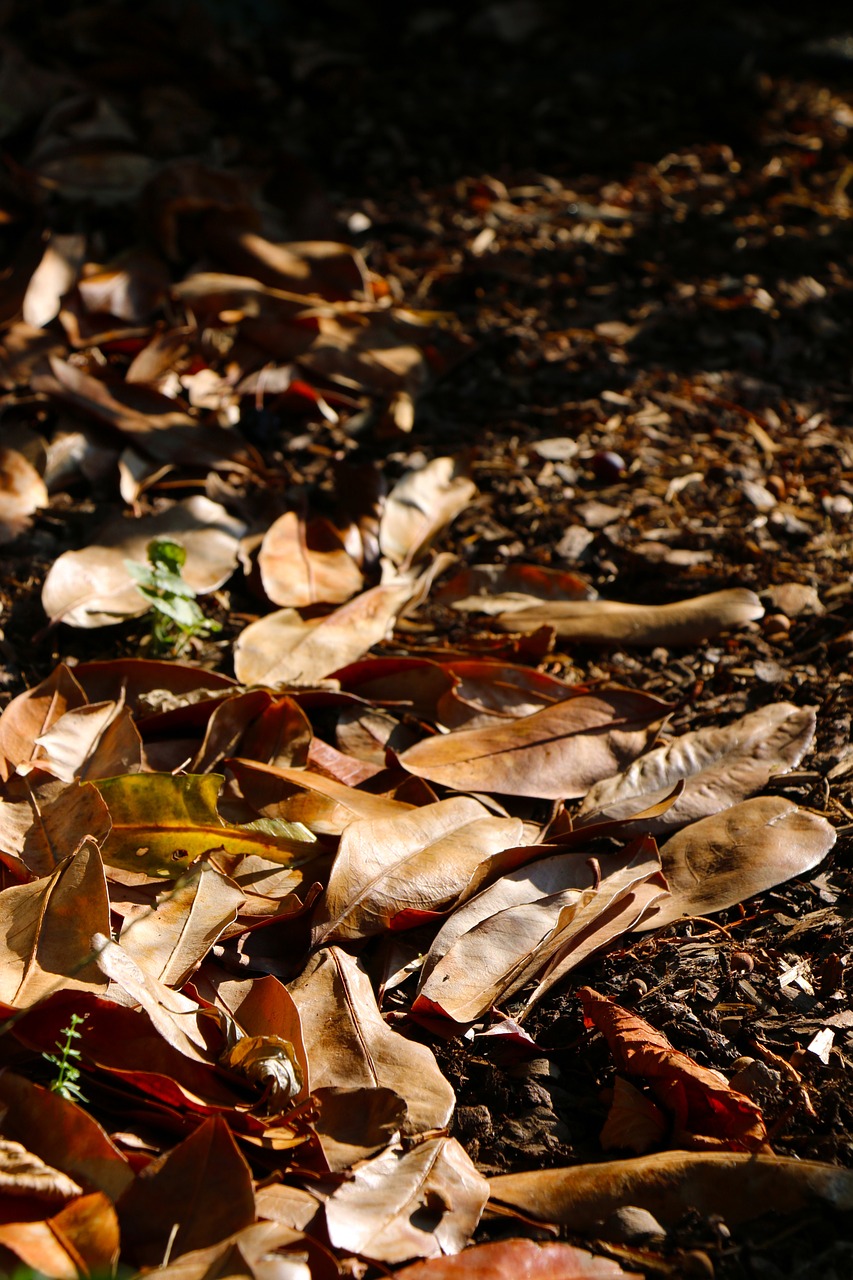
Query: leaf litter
(293, 907)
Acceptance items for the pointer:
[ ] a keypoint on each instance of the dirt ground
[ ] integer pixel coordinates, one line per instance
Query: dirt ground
(636, 230)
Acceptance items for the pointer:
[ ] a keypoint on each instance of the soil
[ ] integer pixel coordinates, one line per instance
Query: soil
(637, 228)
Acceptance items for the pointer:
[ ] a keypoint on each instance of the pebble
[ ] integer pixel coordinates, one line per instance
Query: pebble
(631, 1225)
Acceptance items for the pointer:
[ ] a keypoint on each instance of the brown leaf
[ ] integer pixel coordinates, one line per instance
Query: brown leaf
(46, 930)
(32, 713)
(609, 622)
(556, 753)
(62, 816)
(52, 278)
(634, 1122)
(82, 1238)
(736, 1185)
(24, 1174)
(95, 741)
(699, 1101)
(505, 588)
(306, 563)
(727, 858)
(408, 1204)
(518, 1260)
(349, 1044)
(250, 1254)
(484, 691)
(178, 1189)
(22, 491)
(425, 860)
(92, 587)
(283, 649)
(354, 1124)
(722, 766)
(323, 804)
(420, 506)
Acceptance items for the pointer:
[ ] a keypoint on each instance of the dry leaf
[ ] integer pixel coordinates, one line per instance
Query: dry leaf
(92, 587)
(24, 1174)
(22, 491)
(736, 1185)
(408, 1204)
(721, 767)
(349, 1044)
(52, 278)
(744, 850)
(505, 588)
(425, 860)
(420, 506)
(634, 1122)
(702, 1107)
(519, 1260)
(609, 622)
(81, 1239)
(306, 563)
(557, 753)
(323, 804)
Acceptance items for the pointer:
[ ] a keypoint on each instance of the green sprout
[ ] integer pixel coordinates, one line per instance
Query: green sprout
(177, 616)
(67, 1071)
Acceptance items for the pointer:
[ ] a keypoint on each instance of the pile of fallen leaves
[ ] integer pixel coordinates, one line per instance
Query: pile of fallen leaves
(250, 895)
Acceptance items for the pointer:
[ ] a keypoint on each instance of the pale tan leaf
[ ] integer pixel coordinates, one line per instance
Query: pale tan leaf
(349, 1043)
(304, 564)
(610, 622)
(409, 1204)
(62, 816)
(722, 766)
(420, 506)
(22, 491)
(96, 741)
(32, 713)
(46, 931)
(53, 277)
(736, 1185)
(170, 940)
(557, 753)
(283, 649)
(727, 858)
(23, 1174)
(420, 861)
(323, 804)
(92, 587)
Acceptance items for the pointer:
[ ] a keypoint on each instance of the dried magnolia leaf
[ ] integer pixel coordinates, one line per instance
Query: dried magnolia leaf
(609, 622)
(634, 1122)
(736, 1185)
(506, 588)
(702, 1107)
(82, 1239)
(92, 587)
(306, 563)
(519, 1260)
(557, 753)
(376, 1214)
(303, 796)
(722, 766)
(420, 506)
(349, 1044)
(725, 859)
(23, 1174)
(424, 860)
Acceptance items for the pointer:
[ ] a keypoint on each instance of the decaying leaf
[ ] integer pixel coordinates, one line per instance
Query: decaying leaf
(727, 858)
(519, 1260)
(22, 492)
(721, 767)
(420, 506)
(737, 1185)
(409, 1204)
(556, 753)
(23, 1174)
(306, 563)
(704, 1111)
(609, 622)
(270, 1063)
(83, 1238)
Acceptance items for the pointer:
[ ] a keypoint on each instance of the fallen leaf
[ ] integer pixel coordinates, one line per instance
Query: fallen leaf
(556, 753)
(250, 1254)
(32, 713)
(703, 1109)
(61, 817)
(505, 588)
(355, 1124)
(95, 741)
(22, 492)
(609, 622)
(23, 1174)
(46, 931)
(283, 649)
(425, 860)
(484, 691)
(722, 766)
(306, 563)
(634, 1122)
(52, 278)
(323, 804)
(736, 1185)
(422, 504)
(81, 1239)
(349, 1044)
(92, 587)
(725, 859)
(518, 1260)
(408, 1204)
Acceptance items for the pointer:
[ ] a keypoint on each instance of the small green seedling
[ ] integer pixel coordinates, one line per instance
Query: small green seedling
(177, 616)
(65, 1060)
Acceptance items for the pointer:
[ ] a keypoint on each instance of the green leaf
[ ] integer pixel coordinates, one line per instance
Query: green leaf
(161, 823)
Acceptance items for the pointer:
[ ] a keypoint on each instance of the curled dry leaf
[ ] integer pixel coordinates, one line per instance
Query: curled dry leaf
(349, 1044)
(306, 563)
(283, 649)
(721, 767)
(95, 741)
(703, 1109)
(255, 1253)
(724, 859)
(557, 753)
(409, 1204)
(420, 506)
(548, 910)
(519, 1260)
(736, 1185)
(505, 588)
(609, 622)
(24, 1174)
(270, 1063)
(424, 860)
(92, 587)
(323, 804)
(22, 491)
